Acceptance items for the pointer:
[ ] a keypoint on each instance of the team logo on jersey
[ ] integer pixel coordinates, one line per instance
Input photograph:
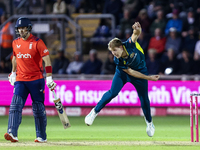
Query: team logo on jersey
(129, 40)
(124, 62)
(46, 50)
(132, 54)
(23, 55)
(18, 46)
(30, 45)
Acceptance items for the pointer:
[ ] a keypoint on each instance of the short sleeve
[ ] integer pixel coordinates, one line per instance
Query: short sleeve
(42, 49)
(129, 43)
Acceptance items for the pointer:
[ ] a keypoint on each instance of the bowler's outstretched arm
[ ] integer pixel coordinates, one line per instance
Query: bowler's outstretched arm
(136, 31)
(140, 75)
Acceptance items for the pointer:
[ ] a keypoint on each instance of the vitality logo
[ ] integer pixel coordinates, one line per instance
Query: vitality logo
(23, 55)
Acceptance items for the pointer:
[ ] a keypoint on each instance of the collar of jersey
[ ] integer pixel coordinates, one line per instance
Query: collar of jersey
(125, 50)
(30, 36)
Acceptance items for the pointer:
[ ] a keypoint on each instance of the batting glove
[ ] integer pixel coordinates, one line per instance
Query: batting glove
(12, 78)
(50, 83)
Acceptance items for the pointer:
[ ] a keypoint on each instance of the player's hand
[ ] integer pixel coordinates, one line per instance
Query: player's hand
(154, 77)
(12, 78)
(50, 83)
(137, 27)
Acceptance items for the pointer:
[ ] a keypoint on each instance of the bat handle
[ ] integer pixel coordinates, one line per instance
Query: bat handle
(54, 94)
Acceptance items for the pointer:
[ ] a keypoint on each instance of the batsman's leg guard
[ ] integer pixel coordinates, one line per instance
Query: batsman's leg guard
(15, 114)
(40, 119)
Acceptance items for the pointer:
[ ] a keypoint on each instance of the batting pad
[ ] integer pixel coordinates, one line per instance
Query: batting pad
(40, 119)
(15, 114)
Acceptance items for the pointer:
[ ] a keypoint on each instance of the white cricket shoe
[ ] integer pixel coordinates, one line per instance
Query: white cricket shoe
(10, 137)
(150, 128)
(40, 140)
(90, 117)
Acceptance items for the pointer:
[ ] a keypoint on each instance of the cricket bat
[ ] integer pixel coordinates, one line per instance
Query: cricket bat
(61, 112)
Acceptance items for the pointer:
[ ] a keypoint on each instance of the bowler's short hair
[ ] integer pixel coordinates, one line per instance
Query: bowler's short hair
(114, 43)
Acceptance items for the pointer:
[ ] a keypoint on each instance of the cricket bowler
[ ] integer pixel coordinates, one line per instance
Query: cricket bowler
(130, 67)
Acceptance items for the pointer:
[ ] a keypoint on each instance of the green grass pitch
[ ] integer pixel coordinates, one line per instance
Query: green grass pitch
(107, 133)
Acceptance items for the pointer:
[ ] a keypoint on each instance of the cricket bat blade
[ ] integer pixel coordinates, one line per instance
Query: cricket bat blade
(61, 113)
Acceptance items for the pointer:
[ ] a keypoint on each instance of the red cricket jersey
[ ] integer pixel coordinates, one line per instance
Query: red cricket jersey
(29, 55)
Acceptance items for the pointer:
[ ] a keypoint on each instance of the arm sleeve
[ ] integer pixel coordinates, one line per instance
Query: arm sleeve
(42, 49)
(129, 43)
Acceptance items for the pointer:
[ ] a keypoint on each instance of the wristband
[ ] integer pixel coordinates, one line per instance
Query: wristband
(48, 69)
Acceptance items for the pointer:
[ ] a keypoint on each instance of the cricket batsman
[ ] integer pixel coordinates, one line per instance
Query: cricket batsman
(27, 78)
(130, 67)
